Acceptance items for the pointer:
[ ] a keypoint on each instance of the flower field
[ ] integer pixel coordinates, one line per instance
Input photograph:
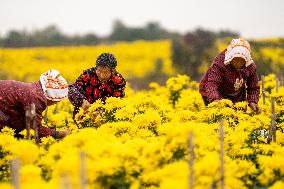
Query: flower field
(161, 138)
(142, 141)
(135, 60)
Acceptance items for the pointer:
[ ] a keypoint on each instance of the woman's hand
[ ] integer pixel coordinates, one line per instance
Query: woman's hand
(62, 134)
(86, 104)
(254, 107)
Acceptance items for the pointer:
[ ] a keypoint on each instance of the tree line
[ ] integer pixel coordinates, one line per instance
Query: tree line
(53, 36)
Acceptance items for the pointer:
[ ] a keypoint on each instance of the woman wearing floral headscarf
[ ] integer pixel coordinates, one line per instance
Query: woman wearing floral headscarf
(16, 97)
(233, 76)
(96, 83)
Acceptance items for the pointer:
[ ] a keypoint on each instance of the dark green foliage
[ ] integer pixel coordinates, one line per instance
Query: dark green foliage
(116, 181)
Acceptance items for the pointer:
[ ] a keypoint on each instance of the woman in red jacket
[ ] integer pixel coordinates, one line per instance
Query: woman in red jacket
(233, 76)
(98, 82)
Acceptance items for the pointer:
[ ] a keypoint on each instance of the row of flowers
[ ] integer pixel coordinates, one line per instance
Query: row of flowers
(142, 141)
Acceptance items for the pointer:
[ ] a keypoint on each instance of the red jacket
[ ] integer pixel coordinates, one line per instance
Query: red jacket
(15, 96)
(88, 87)
(224, 81)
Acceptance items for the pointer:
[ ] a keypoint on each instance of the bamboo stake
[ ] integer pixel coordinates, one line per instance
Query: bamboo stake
(273, 128)
(82, 170)
(15, 166)
(277, 84)
(263, 89)
(65, 182)
(222, 170)
(191, 161)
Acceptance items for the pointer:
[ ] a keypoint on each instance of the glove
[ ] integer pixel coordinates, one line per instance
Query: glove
(254, 107)
(62, 134)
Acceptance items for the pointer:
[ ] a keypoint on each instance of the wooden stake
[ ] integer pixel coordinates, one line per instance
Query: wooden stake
(191, 161)
(263, 89)
(15, 166)
(273, 128)
(65, 182)
(82, 170)
(222, 170)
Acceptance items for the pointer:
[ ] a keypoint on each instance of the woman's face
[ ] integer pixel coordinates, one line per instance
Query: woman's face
(103, 73)
(238, 62)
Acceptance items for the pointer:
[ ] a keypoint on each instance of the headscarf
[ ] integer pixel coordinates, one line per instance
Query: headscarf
(238, 48)
(54, 85)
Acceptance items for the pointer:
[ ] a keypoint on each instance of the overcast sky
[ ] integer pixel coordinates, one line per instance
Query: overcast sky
(251, 18)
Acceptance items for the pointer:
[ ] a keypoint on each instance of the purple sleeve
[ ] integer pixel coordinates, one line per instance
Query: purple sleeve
(75, 95)
(76, 90)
